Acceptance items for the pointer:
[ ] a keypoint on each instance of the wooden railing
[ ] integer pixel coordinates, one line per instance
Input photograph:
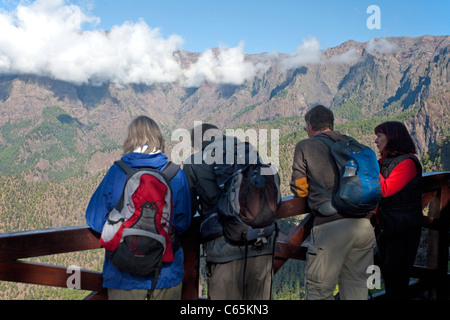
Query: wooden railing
(26, 244)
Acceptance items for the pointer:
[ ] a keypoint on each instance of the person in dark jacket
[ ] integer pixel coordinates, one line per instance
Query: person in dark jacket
(234, 272)
(143, 147)
(341, 247)
(400, 210)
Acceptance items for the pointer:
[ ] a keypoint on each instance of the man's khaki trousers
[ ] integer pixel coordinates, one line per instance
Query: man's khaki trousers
(226, 280)
(340, 253)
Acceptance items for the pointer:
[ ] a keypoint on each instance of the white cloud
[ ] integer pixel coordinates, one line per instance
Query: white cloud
(307, 53)
(223, 65)
(310, 53)
(45, 37)
(381, 46)
(349, 56)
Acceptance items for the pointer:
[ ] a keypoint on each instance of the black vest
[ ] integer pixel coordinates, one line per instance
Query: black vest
(403, 210)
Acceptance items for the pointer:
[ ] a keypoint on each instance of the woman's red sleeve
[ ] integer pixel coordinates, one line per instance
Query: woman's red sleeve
(403, 173)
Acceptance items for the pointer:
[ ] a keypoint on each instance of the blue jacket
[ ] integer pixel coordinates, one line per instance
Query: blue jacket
(107, 196)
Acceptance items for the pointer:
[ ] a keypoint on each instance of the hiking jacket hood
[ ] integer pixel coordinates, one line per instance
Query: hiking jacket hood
(107, 196)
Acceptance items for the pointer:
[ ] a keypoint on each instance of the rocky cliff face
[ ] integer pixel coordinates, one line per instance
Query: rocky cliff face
(381, 78)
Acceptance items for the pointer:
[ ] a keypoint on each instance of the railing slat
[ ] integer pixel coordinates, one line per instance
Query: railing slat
(191, 249)
(19, 245)
(48, 275)
(291, 206)
(435, 180)
(291, 246)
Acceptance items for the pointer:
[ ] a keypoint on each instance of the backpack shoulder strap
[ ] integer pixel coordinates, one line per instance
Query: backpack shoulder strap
(126, 168)
(129, 172)
(171, 170)
(329, 141)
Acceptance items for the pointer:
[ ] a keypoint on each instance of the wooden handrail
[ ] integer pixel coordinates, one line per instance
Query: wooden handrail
(55, 276)
(35, 243)
(26, 244)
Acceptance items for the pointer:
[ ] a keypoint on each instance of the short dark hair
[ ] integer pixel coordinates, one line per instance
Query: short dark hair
(320, 117)
(203, 127)
(399, 141)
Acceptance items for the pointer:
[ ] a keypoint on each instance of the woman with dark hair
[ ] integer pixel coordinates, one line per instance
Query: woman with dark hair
(400, 209)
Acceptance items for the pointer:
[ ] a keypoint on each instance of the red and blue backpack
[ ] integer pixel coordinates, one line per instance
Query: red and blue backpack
(138, 233)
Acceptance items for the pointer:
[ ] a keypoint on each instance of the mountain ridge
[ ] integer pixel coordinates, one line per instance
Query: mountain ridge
(383, 77)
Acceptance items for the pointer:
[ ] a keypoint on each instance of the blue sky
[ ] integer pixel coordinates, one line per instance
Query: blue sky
(146, 36)
(276, 25)
(268, 25)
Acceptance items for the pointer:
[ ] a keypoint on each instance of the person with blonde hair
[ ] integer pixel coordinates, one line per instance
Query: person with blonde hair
(143, 147)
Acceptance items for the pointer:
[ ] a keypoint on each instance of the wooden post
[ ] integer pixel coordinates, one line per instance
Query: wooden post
(191, 249)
